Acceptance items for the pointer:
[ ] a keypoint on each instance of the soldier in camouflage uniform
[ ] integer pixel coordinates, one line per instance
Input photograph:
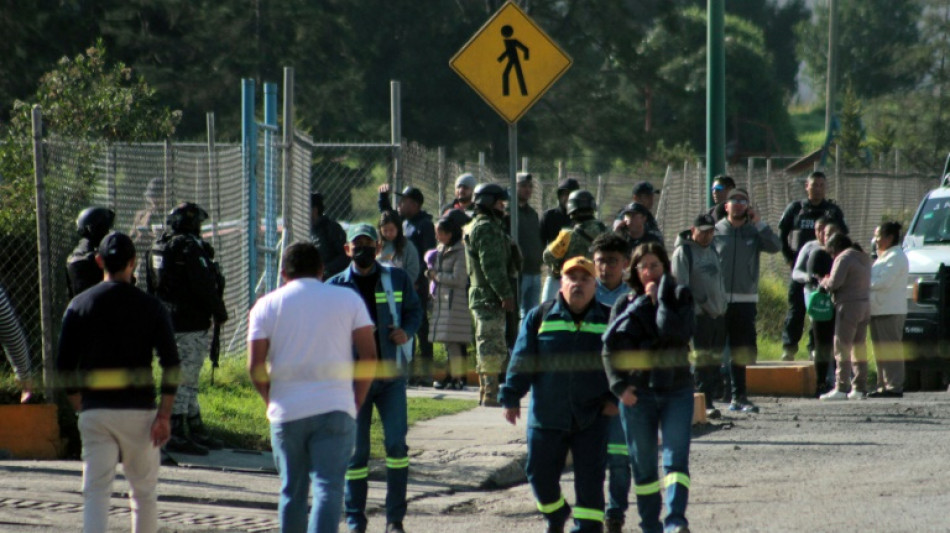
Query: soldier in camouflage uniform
(491, 267)
(182, 273)
(581, 207)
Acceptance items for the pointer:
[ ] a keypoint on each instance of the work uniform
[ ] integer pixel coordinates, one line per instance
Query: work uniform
(387, 393)
(557, 357)
(491, 267)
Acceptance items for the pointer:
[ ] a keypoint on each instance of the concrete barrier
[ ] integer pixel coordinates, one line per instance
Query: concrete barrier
(30, 431)
(699, 408)
(782, 378)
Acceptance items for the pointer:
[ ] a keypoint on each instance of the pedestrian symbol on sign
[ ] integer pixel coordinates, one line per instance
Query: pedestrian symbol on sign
(511, 53)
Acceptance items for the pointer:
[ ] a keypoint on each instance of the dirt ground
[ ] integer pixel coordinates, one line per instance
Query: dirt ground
(799, 465)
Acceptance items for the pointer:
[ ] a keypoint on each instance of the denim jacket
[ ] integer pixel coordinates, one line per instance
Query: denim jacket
(407, 304)
(558, 360)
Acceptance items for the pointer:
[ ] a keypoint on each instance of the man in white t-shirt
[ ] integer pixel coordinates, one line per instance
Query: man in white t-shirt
(309, 331)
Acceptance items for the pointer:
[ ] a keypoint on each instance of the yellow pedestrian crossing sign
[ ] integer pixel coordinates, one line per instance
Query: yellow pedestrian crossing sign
(510, 62)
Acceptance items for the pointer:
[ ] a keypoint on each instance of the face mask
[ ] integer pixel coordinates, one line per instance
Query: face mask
(364, 256)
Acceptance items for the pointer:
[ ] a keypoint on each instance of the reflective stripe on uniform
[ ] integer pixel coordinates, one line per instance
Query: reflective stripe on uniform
(357, 473)
(648, 488)
(617, 449)
(549, 326)
(397, 462)
(551, 507)
(381, 297)
(597, 515)
(676, 477)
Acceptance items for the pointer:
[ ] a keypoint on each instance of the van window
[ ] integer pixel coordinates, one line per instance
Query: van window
(933, 223)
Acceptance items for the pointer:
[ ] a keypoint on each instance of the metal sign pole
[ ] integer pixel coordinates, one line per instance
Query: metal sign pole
(513, 179)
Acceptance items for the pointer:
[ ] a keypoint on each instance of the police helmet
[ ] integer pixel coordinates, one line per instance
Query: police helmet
(94, 222)
(486, 194)
(581, 201)
(186, 218)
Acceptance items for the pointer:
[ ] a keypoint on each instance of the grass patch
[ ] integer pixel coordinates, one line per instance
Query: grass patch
(809, 125)
(233, 410)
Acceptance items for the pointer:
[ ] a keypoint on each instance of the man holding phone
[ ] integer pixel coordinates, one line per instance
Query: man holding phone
(739, 239)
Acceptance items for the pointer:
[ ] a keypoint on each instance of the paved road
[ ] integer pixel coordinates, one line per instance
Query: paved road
(800, 465)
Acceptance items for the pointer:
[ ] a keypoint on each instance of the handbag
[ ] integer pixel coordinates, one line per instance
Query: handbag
(819, 306)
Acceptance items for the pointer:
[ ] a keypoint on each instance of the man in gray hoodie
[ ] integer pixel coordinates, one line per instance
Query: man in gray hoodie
(740, 238)
(695, 263)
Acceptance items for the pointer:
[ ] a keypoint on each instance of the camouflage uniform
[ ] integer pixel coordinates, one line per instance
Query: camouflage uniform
(490, 270)
(572, 243)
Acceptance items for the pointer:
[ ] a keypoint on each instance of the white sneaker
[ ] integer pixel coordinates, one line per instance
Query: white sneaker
(834, 395)
(857, 395)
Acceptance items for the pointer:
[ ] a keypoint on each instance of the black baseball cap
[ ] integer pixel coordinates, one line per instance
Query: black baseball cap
(413, 193)
(636, 209)
(644, 187)
(704, 222)
(568, 184)
(116, 248)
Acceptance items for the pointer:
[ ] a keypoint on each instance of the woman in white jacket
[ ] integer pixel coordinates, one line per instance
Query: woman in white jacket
(888, 310)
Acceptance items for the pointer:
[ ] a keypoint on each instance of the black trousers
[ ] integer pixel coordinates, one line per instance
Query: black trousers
(740, 329)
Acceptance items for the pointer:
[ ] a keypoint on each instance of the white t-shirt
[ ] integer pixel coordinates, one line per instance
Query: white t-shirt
(310, 328)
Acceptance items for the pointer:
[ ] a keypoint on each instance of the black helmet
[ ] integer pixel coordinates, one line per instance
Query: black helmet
(486, 194)
(186, 218)
(581, 201)
(94, 222)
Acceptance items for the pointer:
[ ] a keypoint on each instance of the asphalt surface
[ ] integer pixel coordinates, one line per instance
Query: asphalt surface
(799, 465)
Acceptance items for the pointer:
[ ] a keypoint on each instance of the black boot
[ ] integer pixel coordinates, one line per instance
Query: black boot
(179, 441)
(199, 433)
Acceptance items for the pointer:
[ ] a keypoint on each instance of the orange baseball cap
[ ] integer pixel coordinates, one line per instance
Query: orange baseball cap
(579, 262)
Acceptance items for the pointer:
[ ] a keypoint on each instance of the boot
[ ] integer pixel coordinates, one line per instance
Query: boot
(199, 433)
(179, 442)
(491, 390)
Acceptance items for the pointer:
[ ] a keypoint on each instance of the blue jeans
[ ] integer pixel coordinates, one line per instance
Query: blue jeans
(389, 397)
(670, 412)
(313, 449)
(530, 292)
(547, 453)
(618, 464)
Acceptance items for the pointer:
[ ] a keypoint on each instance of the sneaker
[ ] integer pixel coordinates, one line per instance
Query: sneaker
(744, 406)
(680, 529)
(788, 353)
(395, 527)
(613, 525)
(713, 414)
(440, 384)
(886, 393)
(834, 395)
(857, 395)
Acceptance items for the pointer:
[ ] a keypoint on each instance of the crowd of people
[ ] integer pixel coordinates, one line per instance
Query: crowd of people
(611, 345)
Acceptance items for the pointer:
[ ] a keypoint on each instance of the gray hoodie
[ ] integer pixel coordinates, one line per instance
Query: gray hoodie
(703, 275)
(739, 250)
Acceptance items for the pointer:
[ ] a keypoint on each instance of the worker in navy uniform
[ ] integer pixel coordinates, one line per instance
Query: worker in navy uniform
(82, 272)
(183, 274)
(556, 358)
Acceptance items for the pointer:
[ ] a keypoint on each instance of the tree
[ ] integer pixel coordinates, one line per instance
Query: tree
(83, 98)
(876, 40)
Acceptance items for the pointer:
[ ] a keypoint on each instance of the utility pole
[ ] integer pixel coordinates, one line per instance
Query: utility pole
(830, 82)
(715, 93)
